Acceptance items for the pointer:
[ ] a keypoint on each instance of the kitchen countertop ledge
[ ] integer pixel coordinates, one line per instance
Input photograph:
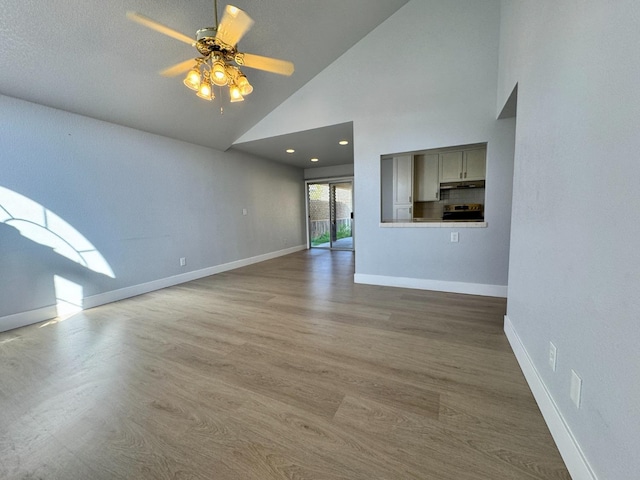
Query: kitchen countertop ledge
(436, 224)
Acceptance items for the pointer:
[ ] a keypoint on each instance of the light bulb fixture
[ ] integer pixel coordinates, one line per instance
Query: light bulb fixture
(205, 90)
(343, 142)
(244, 85)
(290, 150)
(235, 94)
(219, 73)
(192, 80)
(214, 68)
(314, 159)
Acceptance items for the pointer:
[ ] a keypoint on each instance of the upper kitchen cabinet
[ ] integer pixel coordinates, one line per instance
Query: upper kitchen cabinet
(475, 164)
(426, 184)
(463, 165)
(451, 166)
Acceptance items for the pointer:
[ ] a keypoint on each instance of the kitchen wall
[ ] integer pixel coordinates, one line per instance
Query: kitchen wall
(574, 272)
(123, 206)
(437, 89)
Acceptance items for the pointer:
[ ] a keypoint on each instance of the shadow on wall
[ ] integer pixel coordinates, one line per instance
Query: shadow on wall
(44, 261)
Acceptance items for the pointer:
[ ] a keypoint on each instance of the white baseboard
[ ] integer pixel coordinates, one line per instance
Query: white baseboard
(17, 320)
(437, 285)
(26, 318)
(569, 448)
(134, 290)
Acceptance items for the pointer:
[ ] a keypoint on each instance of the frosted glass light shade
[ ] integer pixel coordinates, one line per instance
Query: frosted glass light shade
(205, 91)
(243, 84)
(234, 93)
(192, 80)
(219, 74)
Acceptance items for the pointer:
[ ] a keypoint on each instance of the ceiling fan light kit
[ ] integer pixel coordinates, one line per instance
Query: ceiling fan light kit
(218, 49)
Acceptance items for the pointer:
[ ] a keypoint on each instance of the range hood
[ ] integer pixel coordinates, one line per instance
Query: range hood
(462, 184)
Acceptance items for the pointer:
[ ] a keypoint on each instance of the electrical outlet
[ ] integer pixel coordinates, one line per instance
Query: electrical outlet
(553, 356)
(244, 211)
(183, 261)
(576, 388)
(454, 237)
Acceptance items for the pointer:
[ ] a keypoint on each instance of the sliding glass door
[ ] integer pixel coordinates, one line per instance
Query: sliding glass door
(331, 214)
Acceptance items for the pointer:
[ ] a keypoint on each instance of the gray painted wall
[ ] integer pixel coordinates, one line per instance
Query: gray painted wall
(143, 201)
(574, 270)
(439, 90)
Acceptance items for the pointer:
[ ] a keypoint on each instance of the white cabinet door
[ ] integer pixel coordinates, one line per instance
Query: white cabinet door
(402, 187)
(426, 181)
(402, 212)
(451, 166)
(475, 162)
(402, 179)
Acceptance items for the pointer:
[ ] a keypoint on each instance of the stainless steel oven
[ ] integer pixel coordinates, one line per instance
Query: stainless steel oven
(469, 212)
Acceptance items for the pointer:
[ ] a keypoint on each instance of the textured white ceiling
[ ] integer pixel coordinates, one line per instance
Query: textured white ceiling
(85, 57)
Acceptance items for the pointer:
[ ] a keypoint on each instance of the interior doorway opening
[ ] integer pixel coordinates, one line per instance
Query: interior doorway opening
(330, 214)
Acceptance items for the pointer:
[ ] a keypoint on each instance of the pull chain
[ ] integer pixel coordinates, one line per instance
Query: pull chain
(220, 98)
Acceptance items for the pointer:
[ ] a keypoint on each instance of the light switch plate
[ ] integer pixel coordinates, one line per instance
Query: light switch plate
(553, 356)
(576, 388)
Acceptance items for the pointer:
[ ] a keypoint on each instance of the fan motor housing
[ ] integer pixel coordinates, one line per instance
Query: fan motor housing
(208, 33)
(206, 43)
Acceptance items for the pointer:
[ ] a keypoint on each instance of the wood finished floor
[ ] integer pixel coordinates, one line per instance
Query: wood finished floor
(280, 370)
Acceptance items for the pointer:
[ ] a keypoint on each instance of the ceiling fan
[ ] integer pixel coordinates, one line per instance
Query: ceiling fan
(219, 60)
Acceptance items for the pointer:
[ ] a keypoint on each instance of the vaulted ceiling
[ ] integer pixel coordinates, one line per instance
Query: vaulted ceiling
(85, 57)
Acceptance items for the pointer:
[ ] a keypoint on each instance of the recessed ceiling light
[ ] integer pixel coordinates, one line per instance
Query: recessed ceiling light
(344, 142)
(290, 150)
(314, 159)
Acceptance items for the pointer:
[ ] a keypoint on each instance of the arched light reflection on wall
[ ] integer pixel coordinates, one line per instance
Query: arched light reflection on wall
(46, 228)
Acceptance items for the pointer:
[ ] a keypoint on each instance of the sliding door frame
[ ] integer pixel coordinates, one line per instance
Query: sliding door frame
(353, 202)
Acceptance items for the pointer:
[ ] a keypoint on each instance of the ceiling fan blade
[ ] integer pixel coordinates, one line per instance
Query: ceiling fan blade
(273, 65)
(234, 24)
(178, 68)
(158, 27)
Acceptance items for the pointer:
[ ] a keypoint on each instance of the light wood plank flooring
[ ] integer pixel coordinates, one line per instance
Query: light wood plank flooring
(280, 370)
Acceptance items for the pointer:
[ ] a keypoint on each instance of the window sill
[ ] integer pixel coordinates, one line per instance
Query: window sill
(436, 224)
